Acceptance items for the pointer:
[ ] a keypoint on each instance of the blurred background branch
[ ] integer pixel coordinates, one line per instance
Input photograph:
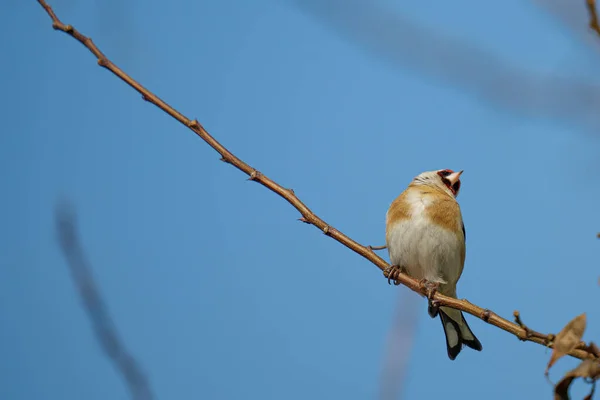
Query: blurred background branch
(591, 5)
(399, 343)
(403, 43)
(104, 327)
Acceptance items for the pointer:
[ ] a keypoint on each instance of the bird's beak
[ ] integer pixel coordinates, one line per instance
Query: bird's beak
(454, 177)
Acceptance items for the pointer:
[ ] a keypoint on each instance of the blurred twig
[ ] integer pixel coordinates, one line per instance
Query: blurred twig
(475, 70)
(105, 330)
(398, 347)
(591, 6)
(307, 215)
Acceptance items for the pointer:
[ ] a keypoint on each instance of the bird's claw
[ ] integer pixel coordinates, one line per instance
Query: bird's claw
(430, 287)
(392, 271)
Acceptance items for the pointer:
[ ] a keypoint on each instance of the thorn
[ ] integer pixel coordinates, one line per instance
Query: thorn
(224, 160)
(302, 219)
(291, 191)
(144, 97)
(519, 322)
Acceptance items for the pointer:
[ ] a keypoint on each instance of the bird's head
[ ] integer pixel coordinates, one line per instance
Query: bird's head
(445, 179)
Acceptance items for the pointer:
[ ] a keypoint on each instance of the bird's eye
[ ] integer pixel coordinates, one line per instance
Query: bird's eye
(445, 172)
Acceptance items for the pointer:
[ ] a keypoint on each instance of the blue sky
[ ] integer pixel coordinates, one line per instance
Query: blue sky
(214, 286)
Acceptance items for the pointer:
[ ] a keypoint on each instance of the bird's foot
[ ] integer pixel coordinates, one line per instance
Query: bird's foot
(430, 287)
(391, 272)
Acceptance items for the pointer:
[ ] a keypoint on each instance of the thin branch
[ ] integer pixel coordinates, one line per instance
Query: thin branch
(591, 6)
(105, 330)
(288, 194)
(529, 333)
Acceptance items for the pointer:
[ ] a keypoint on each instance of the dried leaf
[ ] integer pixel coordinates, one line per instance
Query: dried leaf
(561, 390)
(567, 339)
(586, 369)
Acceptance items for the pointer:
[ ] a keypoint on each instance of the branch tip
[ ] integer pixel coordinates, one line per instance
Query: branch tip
(528, 332)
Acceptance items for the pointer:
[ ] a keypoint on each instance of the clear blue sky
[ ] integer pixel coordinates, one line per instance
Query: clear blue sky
(215, 287)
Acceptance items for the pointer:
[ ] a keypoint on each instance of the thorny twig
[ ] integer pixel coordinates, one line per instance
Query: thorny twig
(102, 323)
(307, 215)
(518, 321)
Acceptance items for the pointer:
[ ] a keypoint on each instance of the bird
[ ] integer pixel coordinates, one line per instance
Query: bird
(425, 238)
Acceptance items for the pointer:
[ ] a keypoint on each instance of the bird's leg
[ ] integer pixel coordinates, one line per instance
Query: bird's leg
(431, 287)
(391, 271)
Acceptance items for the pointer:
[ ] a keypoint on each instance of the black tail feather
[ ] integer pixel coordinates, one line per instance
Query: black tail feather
(454, 337)
(475, 344)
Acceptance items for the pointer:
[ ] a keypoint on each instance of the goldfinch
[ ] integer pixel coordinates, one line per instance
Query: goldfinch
(425, 238)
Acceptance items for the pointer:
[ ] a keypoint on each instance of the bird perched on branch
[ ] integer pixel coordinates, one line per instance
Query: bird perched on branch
(425, 237)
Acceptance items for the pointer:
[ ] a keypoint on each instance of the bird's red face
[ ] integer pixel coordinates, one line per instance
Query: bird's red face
(451, 179)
